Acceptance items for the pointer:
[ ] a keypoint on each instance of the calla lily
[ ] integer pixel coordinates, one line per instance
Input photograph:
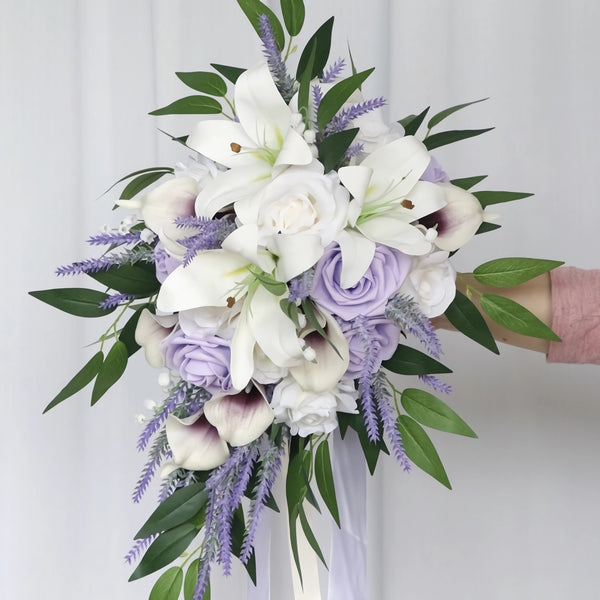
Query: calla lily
(458, 221)
(150, 331)
(240, 418)
(195, 443)
(388, 196)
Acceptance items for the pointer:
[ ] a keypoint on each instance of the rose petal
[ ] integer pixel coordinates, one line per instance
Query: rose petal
(195, 443)
(240, 418)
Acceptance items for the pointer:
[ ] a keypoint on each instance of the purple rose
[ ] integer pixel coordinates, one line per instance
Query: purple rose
(369, 296)
(165, 263)
(379, 334)
(434, 172)
(202, 361)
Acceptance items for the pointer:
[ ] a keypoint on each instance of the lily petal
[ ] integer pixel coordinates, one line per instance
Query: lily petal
(294, 151)
(242, 353)
(357, 254)
(356, 179)
(240, 418)
(195, 443)
(397, 234)
(244, 241)
(297, 253)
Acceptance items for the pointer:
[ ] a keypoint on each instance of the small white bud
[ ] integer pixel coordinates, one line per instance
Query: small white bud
(310, 136)
(164, 379)
(309, 354)
(295, 120)
(301, 320)
(146, 235)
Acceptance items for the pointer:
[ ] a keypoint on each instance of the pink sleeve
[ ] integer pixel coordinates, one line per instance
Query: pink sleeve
(575, 316)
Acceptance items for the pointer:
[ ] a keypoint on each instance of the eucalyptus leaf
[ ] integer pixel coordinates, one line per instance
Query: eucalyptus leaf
(110, 372)
(506, 272)
(80, 302)
(205, 82)
(293, 12)
(138, 279)
(411, 123)
(191, 579)
(79, 381)
(432, 412)
(181, 506)
(408, 361)
(191, 105)
(140, 183)
(165, 549)
(333, 148)
(420, 449)
(439, 117)
(310, 536)
(230, 73)
(449, 137)
(466, 318)
(324, 478)
(254, 9)
(466, 183)
(322, 46)
(517, 318)
(486, 198)
(335, 98)
(168, 585)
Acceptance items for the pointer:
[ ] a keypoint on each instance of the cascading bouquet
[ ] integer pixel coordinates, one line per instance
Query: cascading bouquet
(271, 279)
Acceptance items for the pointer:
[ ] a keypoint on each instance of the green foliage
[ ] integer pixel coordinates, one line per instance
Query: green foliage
(506, 272)
(79, 381)
(517, 318)
(80, 302)
(370, 450)
(163, 170)
(487, 227)
(230, 73)
(467, 319)
(205, 82)
(432, 412)
(191, 578)
(324, 477)
(335, 98)
(310, 536)
(439, 117)
(238, 528)
(254, 9)
(168, 585)
(334, 147)
(304, 90)
(321, 40)
(110, 372)
(408, 361)
(127, 334)
(293, 12)
(420, 449)
(138, 279)
(466, 183)
(444, 138)
(411, 123)
(140, 183)
(487, 198)
(190, 105)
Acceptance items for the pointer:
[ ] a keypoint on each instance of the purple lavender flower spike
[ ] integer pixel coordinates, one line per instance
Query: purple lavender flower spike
(347, 115)
(157, 454)
(114, 238)
(115, 300)
(300, 286)
(211, 233)
(334, 71)
(276, 64)
(138, 547)
(354, 150)
(436, 384)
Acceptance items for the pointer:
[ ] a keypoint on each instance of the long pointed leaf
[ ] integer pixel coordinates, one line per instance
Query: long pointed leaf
(310, 537)
(254, 9)
(439, 117)
(80, 302)
(322, 40)
(230, 73)
(507, 272)
(112, 368)
(411, 123)
(293, 12)
(334, 147)
(449, 137)
(487, 198)
(466, 183)
(205, 82)
(140, 183)
(190, 105)
(408, 361)
(168, 585)
(325, 483)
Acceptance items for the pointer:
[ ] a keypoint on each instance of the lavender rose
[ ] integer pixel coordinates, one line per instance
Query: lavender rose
(378, 334)
(369, 296)
(203, 361)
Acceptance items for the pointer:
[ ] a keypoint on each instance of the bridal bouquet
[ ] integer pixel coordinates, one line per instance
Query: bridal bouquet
(276, 281)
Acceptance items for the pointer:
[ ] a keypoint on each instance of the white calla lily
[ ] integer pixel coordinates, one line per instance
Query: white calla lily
(150, 331)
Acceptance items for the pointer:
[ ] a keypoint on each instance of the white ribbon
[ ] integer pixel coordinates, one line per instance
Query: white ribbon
(348, 558)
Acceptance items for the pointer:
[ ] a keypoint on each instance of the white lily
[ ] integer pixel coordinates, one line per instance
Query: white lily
(262, 142)
(388, 198)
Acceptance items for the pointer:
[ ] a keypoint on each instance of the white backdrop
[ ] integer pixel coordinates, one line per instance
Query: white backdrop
(76, 81)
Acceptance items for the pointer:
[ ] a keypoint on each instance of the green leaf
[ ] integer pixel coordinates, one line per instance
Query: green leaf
(191, 579)
(291, 310)
(311, 317)
(190, 105)
(254, 9)
(449, 137)
(110, 372)
(238, 529)
(79, 381)
(140, 172)
(370, 450)
(487, 227)
(140, 183)
(432, 412)
(408, 361)
(165, 549)
(205, 82)
(506, 272)
(310, 537)
(421, 450)
(487, 198)
(181, 506)
(230, 73)
(335, 98)
(324, 477)
(277, 288)
(138, 279)
(333, 148)
(517, 318)
(439, 117)
(168, 585)
(411, 123)
(322, 40)
(127, 334)
(304, 90)
(467, 319)
(80, 302)
(466, 183)
(293, 15)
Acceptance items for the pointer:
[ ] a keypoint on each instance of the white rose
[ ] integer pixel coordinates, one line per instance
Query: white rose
(307, 412)
(374, 132)
(431, 283)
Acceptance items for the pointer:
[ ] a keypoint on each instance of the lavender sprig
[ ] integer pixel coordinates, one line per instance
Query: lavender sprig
(114, 238)
(103, 263)
(284, 83)
(138, 547)
(115, 300)
(436, 384)
(211, 234)
(300, 286)
(158, 452)
(334, 71)
(347, 115)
